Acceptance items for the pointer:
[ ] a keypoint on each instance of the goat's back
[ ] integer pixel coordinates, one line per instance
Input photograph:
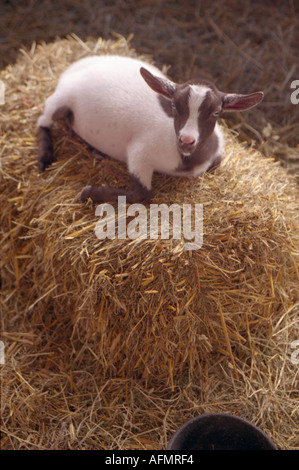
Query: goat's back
(111, 102)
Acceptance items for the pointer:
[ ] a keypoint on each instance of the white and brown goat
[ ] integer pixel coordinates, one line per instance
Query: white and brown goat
(109, 102)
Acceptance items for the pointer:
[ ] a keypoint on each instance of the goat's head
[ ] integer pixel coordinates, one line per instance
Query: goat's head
(196, 106)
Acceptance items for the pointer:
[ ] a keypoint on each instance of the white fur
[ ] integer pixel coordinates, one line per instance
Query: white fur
(221, 141)
(117, 112)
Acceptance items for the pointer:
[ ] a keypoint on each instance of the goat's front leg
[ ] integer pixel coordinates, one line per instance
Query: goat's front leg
(141, 173)
(105, 193)
(216, 162)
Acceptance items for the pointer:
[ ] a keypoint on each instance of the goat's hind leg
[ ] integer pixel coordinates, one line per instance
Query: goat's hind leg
(45, 146)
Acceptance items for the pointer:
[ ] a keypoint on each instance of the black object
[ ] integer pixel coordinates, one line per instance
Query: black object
(219, 431)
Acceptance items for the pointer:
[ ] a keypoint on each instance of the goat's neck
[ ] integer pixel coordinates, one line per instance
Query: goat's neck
(204, 152)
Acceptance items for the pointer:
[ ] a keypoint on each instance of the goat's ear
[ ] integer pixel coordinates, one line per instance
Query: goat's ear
(235, 102)
(161, 85)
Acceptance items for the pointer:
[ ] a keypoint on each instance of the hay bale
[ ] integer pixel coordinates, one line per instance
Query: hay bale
(115, 343)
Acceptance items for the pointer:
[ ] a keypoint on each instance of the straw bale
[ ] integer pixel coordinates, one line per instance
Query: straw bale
(112, 344)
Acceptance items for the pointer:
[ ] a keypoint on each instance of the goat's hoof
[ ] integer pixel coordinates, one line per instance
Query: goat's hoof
(100, 193)
(44, 161)
(86, 193)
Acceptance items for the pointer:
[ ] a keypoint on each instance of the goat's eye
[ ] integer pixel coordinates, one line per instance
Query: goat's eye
(173, 106)
(217, 113)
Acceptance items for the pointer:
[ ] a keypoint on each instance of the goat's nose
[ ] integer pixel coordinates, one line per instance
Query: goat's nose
(186, 139)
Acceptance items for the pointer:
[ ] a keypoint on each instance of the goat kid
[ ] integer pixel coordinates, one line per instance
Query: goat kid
(109, 102)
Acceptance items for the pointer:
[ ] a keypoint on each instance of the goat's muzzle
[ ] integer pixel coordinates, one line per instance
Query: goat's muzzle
(186, 144)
